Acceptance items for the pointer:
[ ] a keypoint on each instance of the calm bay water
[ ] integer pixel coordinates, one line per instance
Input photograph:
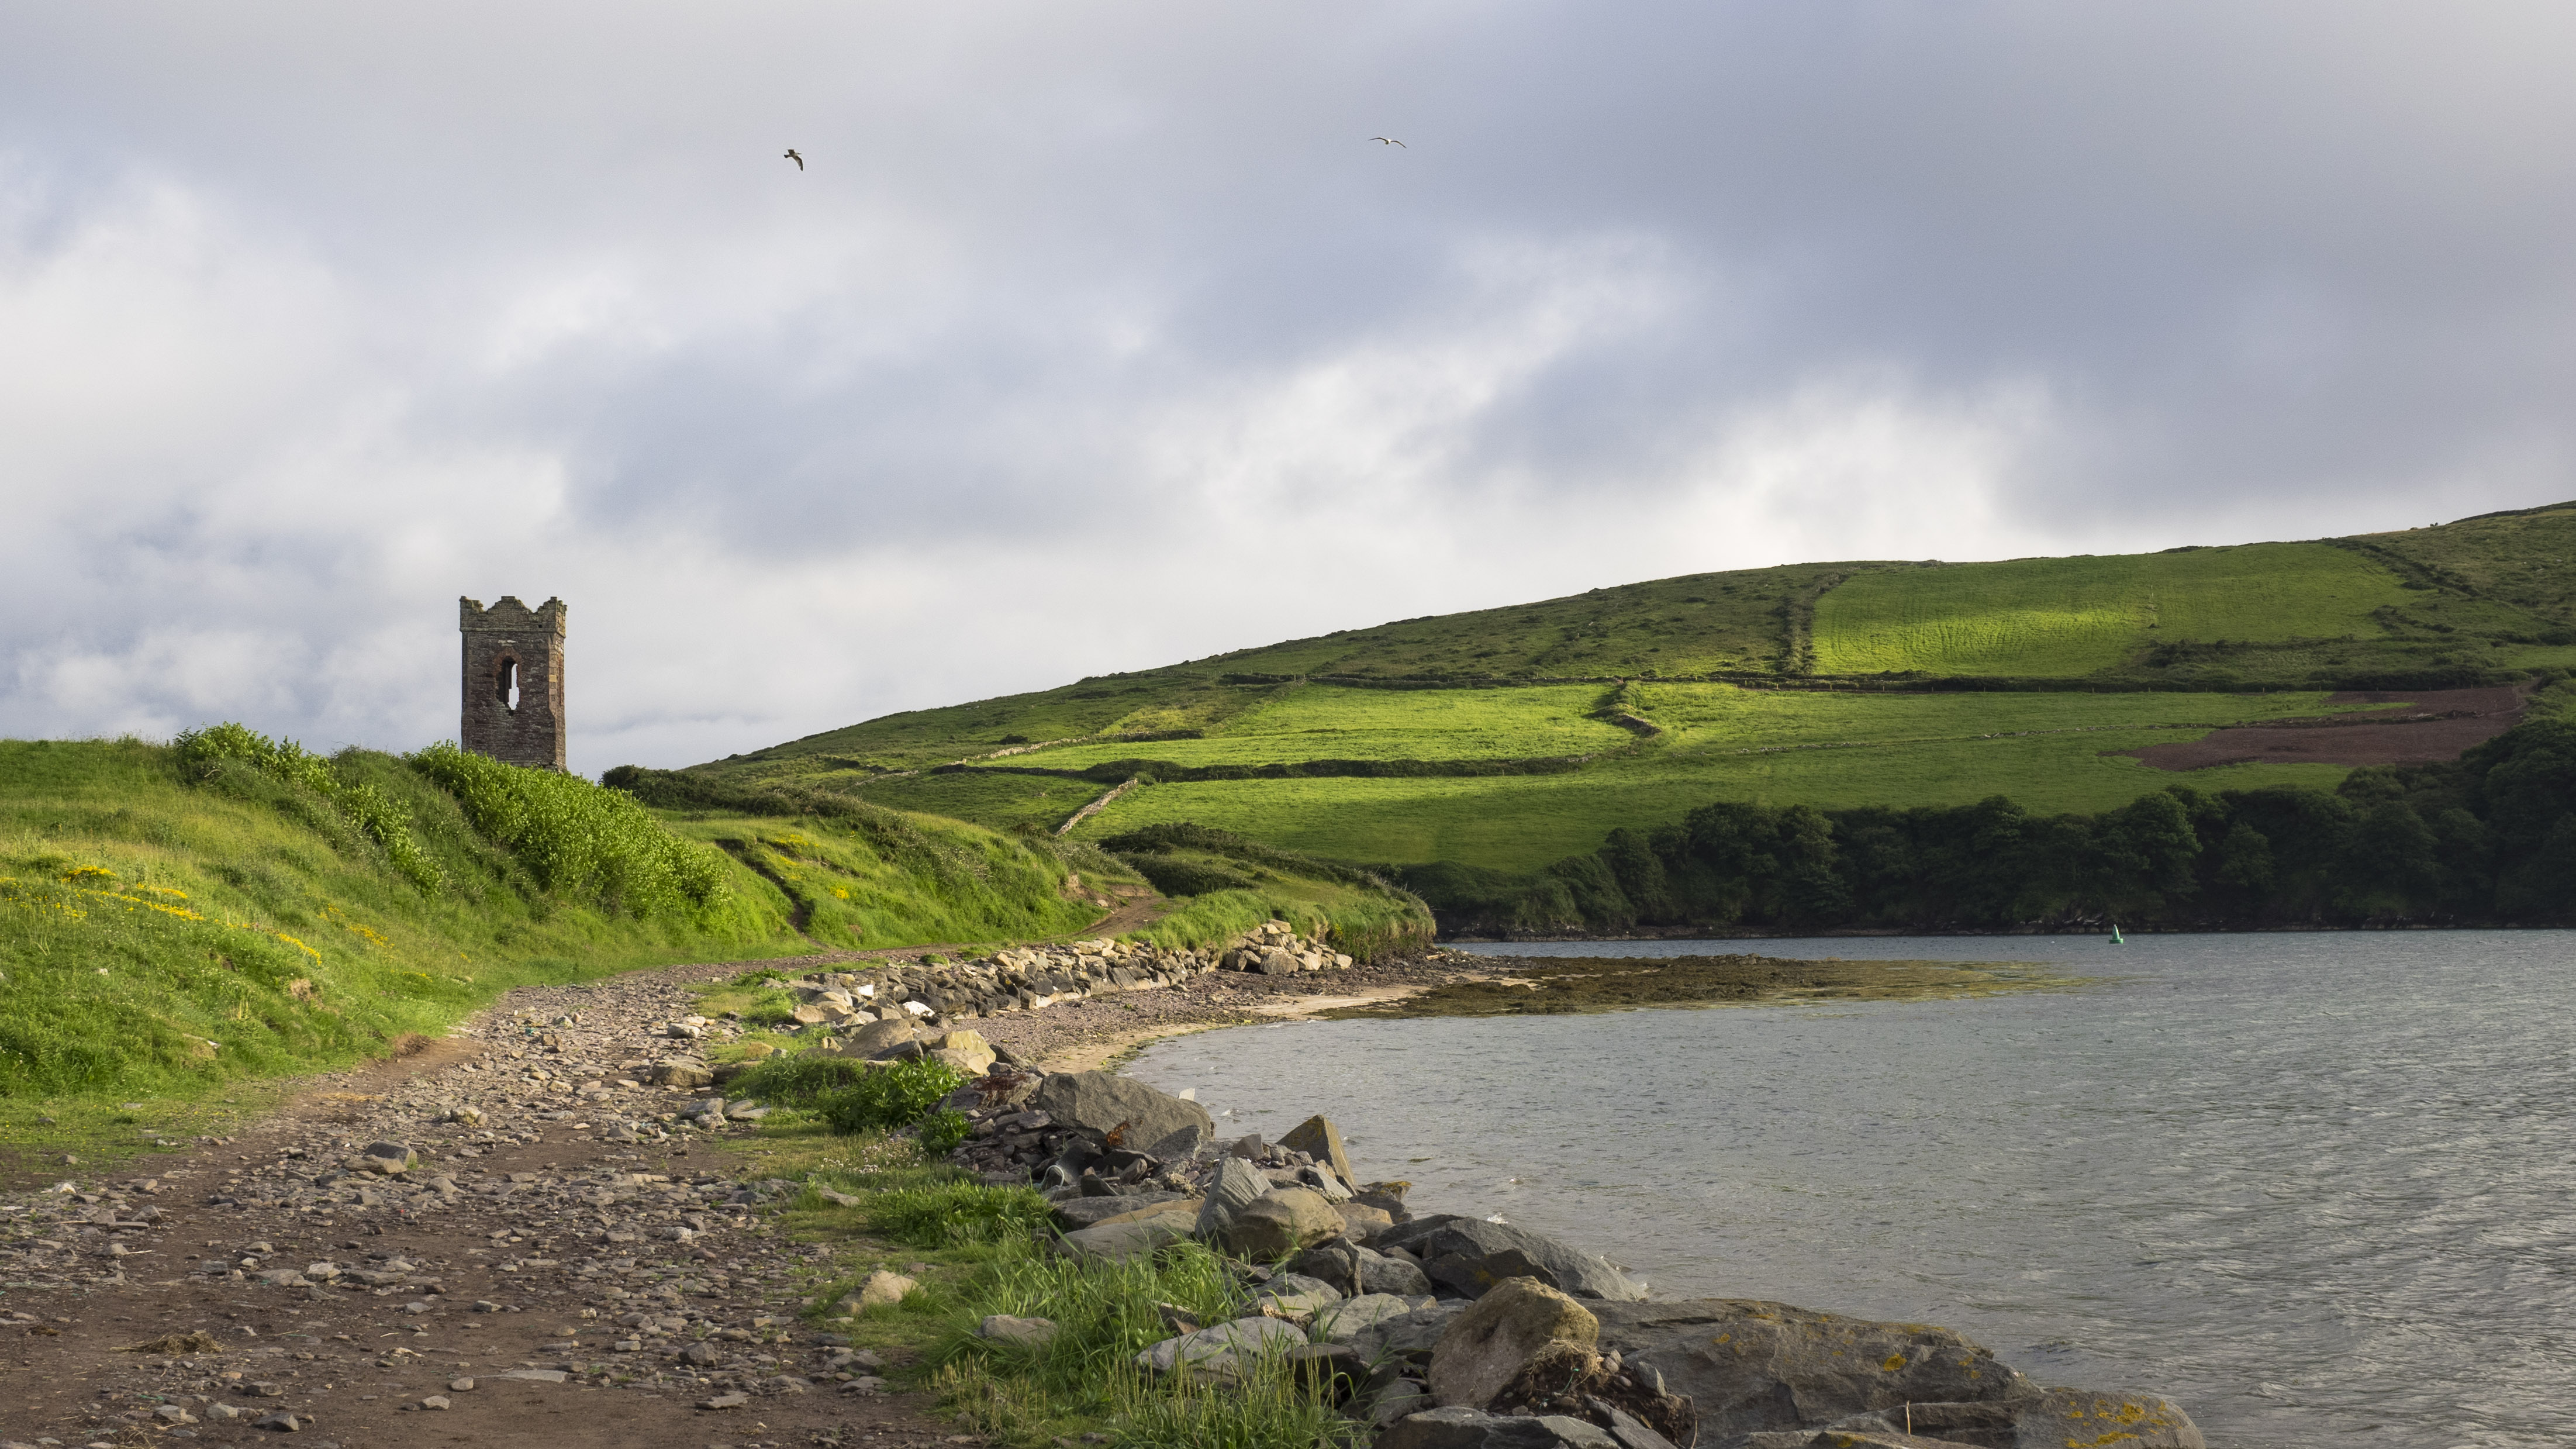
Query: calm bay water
(2310, 1186)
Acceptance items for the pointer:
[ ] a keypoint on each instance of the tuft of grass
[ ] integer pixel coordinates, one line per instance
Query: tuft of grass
(1106, 1313)
(800, 1080)
(953, 1214)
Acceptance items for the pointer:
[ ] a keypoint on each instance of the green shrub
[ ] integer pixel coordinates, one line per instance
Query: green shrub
(893, 1097)
(577, 838)
(944, 1131)
(1174, 876)
(204, 753)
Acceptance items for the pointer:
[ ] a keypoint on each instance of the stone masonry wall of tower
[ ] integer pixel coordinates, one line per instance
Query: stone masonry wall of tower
(511, 648)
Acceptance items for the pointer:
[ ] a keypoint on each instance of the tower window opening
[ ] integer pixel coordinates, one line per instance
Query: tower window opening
(508, 690)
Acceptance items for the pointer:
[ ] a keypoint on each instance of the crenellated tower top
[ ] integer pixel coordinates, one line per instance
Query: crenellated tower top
(514, 681)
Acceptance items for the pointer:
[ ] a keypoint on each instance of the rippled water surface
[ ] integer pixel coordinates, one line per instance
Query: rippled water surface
(2308, 1185)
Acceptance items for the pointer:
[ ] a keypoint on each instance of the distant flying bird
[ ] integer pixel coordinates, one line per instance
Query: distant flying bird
(792, 156)
(1389, 141)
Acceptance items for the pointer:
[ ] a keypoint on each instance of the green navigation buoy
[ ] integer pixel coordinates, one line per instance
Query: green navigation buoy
(2116, 938)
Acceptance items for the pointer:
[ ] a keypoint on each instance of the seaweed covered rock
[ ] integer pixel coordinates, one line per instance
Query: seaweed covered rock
(1486, 1347)
(1754, 1367)
(2085, 1416)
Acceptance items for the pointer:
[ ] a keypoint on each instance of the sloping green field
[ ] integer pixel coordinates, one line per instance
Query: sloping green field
(1522, 822)
(1509, 737)
(2078, 616)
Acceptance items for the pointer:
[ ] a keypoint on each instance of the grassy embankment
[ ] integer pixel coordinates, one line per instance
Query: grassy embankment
(1833, 685)
(176, 929)
(980, 1250)
(1231, 884)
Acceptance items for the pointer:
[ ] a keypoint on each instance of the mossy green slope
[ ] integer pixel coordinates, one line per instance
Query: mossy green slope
(161, 936)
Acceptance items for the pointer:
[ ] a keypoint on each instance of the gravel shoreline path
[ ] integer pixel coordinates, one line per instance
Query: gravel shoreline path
(593, 1279)
(531, 1257)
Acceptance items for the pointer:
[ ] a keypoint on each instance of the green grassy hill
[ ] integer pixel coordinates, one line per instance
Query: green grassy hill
(1508, 738)
(178, 923)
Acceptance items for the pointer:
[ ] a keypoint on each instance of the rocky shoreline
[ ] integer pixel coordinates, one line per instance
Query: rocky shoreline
(1450, 1331)
(1086, 1002)
(510, 1230)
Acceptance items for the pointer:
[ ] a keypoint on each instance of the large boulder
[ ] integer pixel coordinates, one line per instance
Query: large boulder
(1336, 1262)
(1461, 1428)
(1236, 1186)
(874, 1037)
(1411, 1335)
(1124, 1239)
(1354, 1270)
(1101, 1103)
(1978, 1426)
(1347, 1320)
(1471, 1256)
(1362, 1223)
(1281, 1222)
(1076, 1213)
(1294, 1295)
(2084, 1416)
(1755, 1367)
(1486, 1346)
(1382, 1274)
(967, 1051)
(1319, 1139)
(1224, 1351)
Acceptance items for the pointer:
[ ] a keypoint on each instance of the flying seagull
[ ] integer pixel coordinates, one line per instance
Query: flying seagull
(792, 156)
(1389, 141)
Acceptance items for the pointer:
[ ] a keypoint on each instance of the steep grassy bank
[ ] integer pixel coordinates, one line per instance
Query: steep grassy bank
(179, 919)
(1225, 884)
(1232, 884)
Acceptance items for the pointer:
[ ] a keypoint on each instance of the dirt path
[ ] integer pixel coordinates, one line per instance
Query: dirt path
(624, 1282)
(594, 1278)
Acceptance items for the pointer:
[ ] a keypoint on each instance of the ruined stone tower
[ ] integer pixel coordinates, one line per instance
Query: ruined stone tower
(514, 681)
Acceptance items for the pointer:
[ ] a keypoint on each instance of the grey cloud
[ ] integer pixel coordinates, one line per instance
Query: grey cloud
(324, 316)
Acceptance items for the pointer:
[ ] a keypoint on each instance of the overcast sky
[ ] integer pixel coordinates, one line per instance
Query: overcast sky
(1098, 336)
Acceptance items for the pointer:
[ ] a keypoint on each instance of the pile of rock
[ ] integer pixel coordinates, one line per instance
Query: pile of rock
(932, 990)
(1451, 1332)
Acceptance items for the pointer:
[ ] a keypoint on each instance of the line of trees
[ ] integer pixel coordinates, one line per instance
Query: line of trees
(2490, 839)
